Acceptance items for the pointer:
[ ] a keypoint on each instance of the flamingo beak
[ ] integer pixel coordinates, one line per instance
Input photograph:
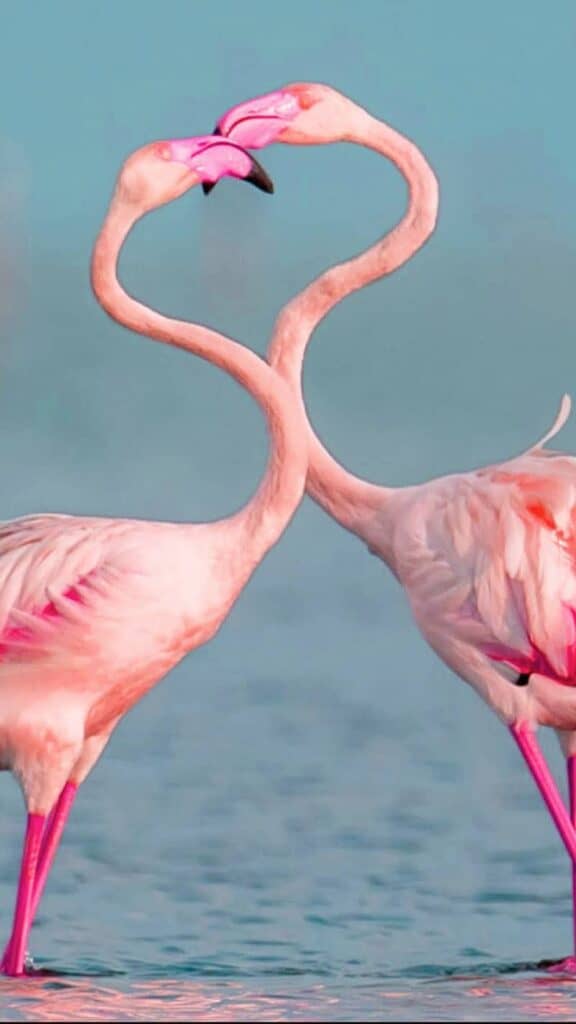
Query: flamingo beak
(257, 176)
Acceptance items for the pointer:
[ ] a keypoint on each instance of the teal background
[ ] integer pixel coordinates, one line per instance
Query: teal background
(311, 819)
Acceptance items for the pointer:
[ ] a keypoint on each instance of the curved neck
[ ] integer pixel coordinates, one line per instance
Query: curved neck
(263, 519)
(344, 496)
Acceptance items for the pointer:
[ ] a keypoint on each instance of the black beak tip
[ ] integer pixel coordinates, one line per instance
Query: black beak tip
(259, 177)
(264, 184)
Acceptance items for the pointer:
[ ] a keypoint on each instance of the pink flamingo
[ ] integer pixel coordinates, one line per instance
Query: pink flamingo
(487, 558)
(93, 612)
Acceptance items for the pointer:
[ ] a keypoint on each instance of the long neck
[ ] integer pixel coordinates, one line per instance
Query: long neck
(344, 496)
(263, 519)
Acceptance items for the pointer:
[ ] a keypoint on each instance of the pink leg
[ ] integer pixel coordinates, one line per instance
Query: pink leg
(565, 823)
(568, 966)
(571, 766)
(14, 963)
(528, 744)
(50, 841)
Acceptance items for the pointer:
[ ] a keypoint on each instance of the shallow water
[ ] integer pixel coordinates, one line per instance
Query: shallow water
(467, 997)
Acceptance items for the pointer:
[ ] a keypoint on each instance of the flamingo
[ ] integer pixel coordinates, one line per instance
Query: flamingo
(93, 611)
(487, 558)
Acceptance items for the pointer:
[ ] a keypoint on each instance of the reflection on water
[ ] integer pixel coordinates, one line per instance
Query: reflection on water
(162, 1000)
(524, 998)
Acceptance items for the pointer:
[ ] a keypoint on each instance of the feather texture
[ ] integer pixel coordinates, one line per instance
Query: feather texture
(489, 559)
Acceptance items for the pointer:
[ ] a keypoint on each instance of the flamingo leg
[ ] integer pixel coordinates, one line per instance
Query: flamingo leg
(13, 965)
(525, 737)
(564, 821)
(52, 834)
(569, 965)
(51, 840)
(571, 771)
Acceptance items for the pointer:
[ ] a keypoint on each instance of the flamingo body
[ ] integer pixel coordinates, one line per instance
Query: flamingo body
(487, 560)
(93, 612)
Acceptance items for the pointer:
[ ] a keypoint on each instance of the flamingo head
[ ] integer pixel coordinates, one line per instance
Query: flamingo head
(163, 171)
(304, 113)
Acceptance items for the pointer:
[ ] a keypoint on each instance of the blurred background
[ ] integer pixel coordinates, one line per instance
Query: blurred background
(312, 793)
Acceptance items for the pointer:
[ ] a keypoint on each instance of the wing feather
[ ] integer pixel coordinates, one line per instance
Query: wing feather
(55, 575)
(503, 542)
